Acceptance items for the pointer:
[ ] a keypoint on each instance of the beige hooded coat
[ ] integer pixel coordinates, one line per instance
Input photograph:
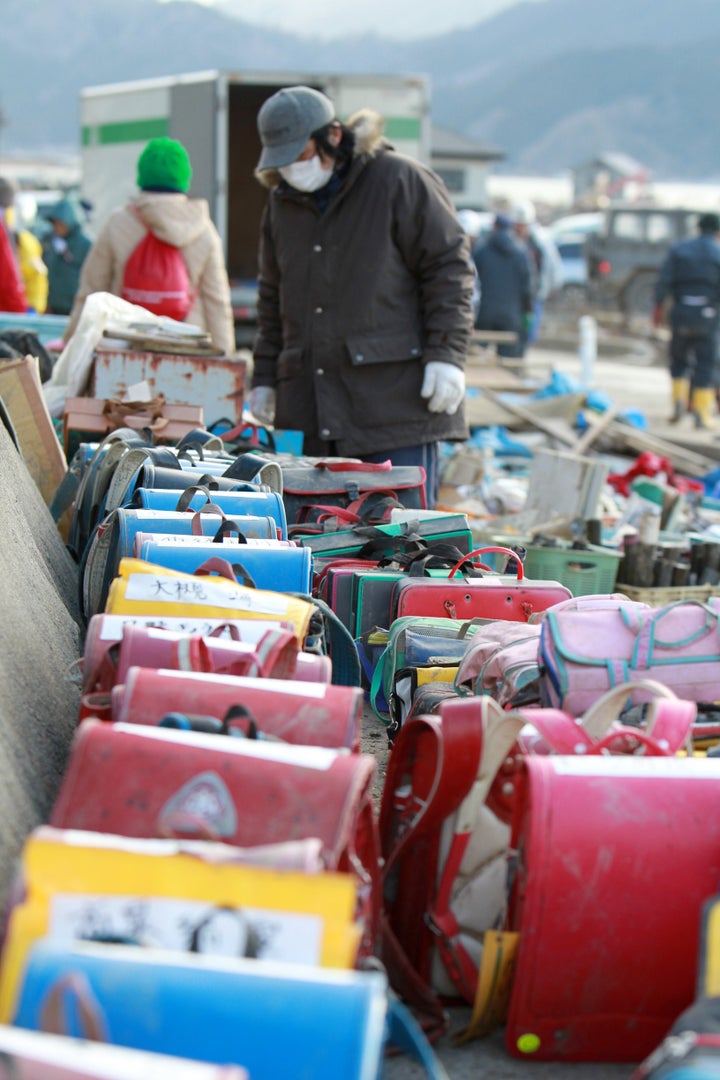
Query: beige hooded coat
(178, 220)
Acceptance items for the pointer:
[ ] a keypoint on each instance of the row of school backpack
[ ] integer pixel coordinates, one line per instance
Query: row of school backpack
(211, 862)
(488, 792)
(552, 758)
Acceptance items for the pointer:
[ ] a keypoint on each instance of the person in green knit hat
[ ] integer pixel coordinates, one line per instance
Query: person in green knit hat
(164, 207)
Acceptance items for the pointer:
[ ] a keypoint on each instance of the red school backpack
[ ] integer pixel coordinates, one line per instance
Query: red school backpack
(156, 278)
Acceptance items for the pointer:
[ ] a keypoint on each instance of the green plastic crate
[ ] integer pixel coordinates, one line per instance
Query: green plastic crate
(583, 572)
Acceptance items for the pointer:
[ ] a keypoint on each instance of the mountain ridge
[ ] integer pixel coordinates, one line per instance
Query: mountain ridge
(551, 82)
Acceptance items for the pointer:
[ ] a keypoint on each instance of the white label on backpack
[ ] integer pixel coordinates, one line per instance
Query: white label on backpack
(146, 515)
(202, 591)
(305, 757)
(187, 926)
(178, 540)
(628, 765)
(250, 630)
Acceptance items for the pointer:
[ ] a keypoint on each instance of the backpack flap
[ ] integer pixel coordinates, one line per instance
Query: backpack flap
(340, 482)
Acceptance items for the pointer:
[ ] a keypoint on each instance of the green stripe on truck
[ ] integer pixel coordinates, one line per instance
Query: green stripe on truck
(402, 127)
(396, 127)
(125, 131)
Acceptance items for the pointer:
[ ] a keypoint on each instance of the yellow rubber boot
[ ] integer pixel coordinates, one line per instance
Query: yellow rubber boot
(703, 407)
(680, 398)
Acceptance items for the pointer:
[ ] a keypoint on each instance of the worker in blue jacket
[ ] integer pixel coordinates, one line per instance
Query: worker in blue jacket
(506, 286)
(690, 277)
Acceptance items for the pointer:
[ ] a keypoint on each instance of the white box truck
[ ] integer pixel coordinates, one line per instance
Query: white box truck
(214, 115)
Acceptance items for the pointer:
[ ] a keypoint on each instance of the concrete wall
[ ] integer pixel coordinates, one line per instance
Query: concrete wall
(39, 647)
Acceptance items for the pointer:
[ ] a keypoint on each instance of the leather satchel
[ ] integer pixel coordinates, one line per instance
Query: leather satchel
(315, 487)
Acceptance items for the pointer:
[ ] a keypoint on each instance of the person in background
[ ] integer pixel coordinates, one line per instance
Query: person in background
(506, 286)
(544, 259)
(65, 251)
(365, 290)
(471, 223)
(28, 249)
(12, 288)
(690, 277)
(163, 206)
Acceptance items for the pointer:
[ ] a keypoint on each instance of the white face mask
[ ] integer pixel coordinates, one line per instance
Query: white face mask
(309, 175)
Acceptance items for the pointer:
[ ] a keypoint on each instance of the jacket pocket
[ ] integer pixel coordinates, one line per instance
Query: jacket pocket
(290, 364)
(383, 349)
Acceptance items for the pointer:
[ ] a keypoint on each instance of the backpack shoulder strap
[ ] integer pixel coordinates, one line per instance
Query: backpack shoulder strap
(431, 769)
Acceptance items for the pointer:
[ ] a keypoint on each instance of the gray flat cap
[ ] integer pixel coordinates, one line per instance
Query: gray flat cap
(287, 120)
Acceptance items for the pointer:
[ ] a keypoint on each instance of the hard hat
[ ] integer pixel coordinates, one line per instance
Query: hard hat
(523, 213)
(471, 222)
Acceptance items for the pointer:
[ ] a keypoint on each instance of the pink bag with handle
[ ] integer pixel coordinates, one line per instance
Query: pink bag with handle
(448, 800)
(583, 653)
(501, 659)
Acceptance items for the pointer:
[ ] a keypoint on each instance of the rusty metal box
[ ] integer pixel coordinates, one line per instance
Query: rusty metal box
(217, 383)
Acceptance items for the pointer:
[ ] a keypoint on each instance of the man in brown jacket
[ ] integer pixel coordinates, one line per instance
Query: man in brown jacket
(365, 290)
(163, 206)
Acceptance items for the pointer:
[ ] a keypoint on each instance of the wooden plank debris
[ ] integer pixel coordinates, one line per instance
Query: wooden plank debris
(588, 437)
(550, 415)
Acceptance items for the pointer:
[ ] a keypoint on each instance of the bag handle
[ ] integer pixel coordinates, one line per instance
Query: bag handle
(669, 718)
(355, 466)
(238, 434)
(711, 621)
(622, 734)
(667, 729)
(54, 1018)
(231, 722)
(370, 505)
(188, 494)
(221, 567)
(482, 551)
(438, 556)
(178, 721)
(405, 1034)
(239, 721)
(226, 628)
(333, 639)
(188, 450)
(208, 508)
(229, 527)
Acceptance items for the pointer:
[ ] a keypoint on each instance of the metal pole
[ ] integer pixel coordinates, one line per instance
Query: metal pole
(587, 327)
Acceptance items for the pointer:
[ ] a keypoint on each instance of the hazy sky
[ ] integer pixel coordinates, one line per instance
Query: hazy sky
(390, 18)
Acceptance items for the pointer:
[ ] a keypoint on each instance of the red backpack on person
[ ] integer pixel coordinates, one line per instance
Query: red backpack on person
(156, 278)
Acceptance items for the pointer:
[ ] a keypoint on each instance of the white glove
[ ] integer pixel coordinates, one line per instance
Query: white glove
(444, 384)
(261, 401)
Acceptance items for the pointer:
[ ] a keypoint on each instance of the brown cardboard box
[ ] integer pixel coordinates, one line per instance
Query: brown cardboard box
(22, 396)
(87, 419)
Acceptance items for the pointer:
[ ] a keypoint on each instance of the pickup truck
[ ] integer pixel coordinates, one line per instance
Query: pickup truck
(624, 257)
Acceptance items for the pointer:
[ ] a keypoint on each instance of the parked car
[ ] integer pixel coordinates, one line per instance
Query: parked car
(624, 257)
(569, 234)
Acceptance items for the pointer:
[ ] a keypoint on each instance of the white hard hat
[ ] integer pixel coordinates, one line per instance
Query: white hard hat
(471, 222)
(523, 213)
